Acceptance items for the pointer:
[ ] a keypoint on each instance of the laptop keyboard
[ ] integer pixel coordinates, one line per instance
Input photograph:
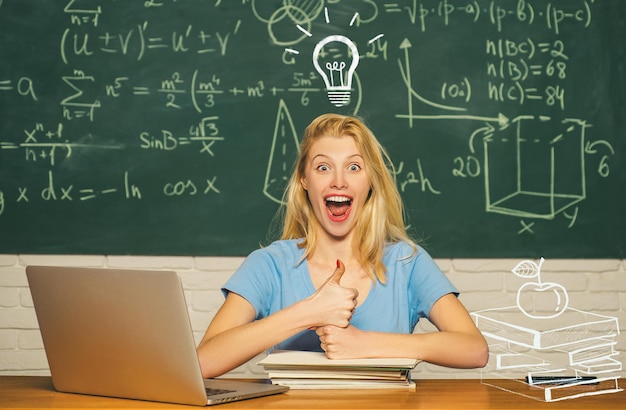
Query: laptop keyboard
(212, 391)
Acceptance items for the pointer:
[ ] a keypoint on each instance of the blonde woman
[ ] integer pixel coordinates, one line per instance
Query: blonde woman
(345, 278)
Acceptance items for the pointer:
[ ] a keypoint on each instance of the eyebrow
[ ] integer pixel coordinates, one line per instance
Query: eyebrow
(327, 156)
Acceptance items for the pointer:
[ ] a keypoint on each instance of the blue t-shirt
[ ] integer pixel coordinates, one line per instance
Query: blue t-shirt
(273, 278)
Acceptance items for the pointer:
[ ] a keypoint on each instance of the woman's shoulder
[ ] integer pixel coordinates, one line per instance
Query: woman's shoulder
(280, 249)
(275, 258)
(407, 253)
(403, 249)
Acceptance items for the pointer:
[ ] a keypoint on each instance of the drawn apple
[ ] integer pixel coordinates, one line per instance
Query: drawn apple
(546, 294)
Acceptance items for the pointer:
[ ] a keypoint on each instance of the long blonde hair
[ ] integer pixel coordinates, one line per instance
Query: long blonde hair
(381, 220)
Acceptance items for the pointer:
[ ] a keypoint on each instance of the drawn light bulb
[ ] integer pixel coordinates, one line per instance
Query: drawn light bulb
(336, 65)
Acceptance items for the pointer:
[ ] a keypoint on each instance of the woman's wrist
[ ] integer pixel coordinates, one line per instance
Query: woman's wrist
(302, 315)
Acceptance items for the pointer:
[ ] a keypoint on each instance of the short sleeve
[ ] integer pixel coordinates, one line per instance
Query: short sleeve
(427, 284)
(256, 280)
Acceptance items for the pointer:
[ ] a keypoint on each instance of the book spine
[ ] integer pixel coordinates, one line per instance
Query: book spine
(503, 331)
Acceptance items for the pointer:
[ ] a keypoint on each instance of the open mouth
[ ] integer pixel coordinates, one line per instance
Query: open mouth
(337, 205)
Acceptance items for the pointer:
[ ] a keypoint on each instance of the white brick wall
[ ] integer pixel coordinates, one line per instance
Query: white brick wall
(597, 286)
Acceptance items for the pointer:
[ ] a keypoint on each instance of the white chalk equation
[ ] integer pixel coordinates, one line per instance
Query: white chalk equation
(175, 91)
(548, 14)
(478, 101)
(551, 350)
(138, 41)
(51, 144)
(49, 190)
(533, 166)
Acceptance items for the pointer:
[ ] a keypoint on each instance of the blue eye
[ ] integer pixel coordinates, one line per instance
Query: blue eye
(355, 167)
(322, 167)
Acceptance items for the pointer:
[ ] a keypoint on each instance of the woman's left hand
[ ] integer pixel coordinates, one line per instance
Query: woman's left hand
(340, 343)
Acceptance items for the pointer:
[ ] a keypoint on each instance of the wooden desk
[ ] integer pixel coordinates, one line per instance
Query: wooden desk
(29, 392)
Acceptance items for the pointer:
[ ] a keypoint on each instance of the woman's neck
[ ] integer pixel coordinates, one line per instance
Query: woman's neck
(329, 248)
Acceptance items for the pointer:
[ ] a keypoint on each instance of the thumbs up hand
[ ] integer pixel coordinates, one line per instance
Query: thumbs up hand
(335, 278)
(333, 303)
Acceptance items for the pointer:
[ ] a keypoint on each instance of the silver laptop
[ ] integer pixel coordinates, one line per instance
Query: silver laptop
(125, 333)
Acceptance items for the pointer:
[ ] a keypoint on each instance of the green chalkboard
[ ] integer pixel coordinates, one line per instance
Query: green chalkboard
(166, 127)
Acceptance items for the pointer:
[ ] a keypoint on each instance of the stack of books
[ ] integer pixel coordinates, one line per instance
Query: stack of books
(313, 370)
(553, 359)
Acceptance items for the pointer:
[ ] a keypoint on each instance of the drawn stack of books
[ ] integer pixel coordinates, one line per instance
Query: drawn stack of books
(312, 370)
(558, 354)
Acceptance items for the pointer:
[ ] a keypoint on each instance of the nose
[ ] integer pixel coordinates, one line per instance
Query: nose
(339, 180)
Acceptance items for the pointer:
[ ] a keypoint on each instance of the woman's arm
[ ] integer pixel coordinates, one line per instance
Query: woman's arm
(457, 344)
(234, 336)
(234, 326)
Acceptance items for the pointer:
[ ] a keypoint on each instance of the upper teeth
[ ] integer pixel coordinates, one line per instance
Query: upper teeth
(338, 199)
